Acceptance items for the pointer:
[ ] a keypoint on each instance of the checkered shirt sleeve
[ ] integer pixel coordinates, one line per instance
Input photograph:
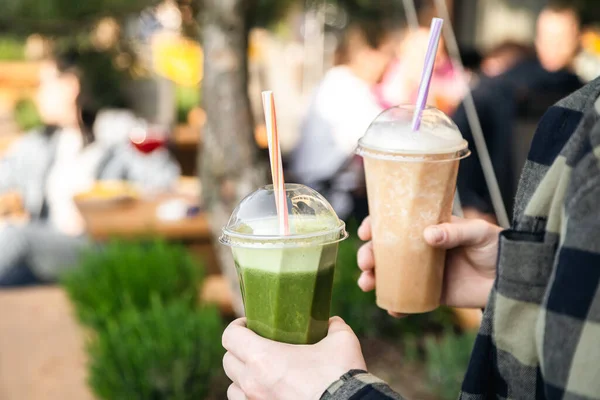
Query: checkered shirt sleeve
(358, 384)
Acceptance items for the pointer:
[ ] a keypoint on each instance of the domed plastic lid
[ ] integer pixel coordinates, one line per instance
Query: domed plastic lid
(312, 220)
(391, 135)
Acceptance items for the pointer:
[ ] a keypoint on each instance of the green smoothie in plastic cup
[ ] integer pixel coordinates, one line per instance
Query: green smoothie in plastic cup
(286, 280)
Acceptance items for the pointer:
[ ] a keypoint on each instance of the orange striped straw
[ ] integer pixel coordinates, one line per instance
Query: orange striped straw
(276, 165)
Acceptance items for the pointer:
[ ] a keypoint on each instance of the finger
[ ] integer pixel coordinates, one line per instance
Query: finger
(366, 281)
(396, 315)
(235, 393)
(234, 368)
(337, 324)
(242, 342)
(458, 233)
(364, 230)
(365, 257)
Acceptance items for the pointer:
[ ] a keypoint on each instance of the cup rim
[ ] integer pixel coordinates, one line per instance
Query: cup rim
(232, 238)
(453, 154)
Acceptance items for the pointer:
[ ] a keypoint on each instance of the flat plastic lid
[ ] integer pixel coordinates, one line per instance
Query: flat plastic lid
(391, 135)
(312, 220)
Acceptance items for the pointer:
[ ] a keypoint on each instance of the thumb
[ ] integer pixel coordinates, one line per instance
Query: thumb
(460, 233)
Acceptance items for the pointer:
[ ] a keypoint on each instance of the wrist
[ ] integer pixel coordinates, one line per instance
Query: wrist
(472, 292)
(482, 293)
(329, 378)
(339, 382)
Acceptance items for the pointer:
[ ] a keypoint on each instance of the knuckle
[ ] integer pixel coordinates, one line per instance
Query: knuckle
(226, 359)
(231, 391)
(452, 234)
(253, 389)
(225, 340)
(481, 225)
(256, 362)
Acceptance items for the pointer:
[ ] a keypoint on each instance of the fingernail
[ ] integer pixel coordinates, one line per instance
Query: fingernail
(434, 234)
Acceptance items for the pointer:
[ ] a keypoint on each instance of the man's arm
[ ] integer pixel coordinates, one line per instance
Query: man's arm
(568, 335)
(360, 385)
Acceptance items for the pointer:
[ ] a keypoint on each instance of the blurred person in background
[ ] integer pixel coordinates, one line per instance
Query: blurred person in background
(503, 57)
(341, 110)
(400, 84)
(47, 167)
(525, 90)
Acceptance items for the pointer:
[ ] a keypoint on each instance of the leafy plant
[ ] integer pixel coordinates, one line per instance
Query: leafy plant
(446, 360)
(150, 338)
(127, 275)
(167, 352)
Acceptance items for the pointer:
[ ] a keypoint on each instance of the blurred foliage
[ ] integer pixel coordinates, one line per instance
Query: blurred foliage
(128, 275)
(170, 352)
(101, 82)
(62, 16)
(26, 115)
(187, 97)
(11, 48)
(358, 309)
(378, 9)
(65, 17)
(446, 360)
(267, 12)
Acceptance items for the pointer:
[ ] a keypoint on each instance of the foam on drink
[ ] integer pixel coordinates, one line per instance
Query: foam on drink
(392, 133)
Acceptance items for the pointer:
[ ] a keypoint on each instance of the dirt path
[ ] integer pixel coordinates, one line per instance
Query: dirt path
(41, 347)
(385, 361)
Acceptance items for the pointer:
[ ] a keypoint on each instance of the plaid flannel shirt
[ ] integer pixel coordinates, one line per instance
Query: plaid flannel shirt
(540, 334)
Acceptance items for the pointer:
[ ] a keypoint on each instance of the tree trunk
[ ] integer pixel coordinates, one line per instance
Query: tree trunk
(229, 164)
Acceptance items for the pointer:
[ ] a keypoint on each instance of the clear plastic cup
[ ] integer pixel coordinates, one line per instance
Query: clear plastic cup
(286, 280)
(411, 181)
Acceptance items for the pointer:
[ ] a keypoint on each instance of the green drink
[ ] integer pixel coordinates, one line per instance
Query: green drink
(290, 305)
(286, 281)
